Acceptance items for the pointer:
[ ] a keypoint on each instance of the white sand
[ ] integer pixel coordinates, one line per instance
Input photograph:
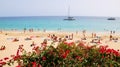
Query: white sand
(11, 47)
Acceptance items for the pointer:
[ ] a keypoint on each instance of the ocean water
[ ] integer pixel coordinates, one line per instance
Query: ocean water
(54, 23)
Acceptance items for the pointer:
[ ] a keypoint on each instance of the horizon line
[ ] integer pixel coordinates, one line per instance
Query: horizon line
(57, 16)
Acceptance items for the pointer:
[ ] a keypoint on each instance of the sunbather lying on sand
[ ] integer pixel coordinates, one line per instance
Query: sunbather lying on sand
(2, 47)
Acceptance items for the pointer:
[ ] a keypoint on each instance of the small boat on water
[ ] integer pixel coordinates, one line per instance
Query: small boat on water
(111, 18)
(70, 18)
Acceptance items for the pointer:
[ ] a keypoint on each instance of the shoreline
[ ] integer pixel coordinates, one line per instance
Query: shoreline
(59, 32)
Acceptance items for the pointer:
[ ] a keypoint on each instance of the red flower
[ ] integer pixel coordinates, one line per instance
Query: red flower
(67, 51)
(103, 57)
(64, 55)
(81, 44)
(89, 47)
(79, 58)
(2, 63)
(69, 43)
(108, 51)
(34, 64)
(43, 58)
(18, 66)
(103, 49)
(116, 53)
(65, 42)
(6, 58)
(17, 57)
(1, 60)
(39, 65)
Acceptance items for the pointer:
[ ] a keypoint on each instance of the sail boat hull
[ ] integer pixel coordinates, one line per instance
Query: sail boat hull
(70, 18)
(111, 18)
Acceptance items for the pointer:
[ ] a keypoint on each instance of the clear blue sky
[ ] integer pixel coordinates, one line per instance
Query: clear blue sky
(59, 7)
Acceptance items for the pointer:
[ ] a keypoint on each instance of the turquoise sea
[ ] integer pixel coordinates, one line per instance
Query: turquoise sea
(57, 23)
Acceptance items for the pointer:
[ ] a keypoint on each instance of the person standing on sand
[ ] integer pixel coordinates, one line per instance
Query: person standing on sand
(110, 32)
(44, 30)
(95, 35)
(72, 36)
(111, 37)
(84, 32)
(113, 32)
(24, 30)
(92, 35)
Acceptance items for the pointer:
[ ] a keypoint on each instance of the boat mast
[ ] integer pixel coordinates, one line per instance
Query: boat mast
(69, 11)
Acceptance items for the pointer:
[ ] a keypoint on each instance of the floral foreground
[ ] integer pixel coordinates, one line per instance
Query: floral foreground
(65, 55)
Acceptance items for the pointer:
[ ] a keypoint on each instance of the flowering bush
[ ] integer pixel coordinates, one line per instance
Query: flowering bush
(66, 55)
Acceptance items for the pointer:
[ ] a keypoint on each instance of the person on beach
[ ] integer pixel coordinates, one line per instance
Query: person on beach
(92, 35)
(6, 33)
(15, 40)
(35, 48)
(33, 44)
(115, 39)
(28, 38)
(60, 40)
(64, 40)
(99, 42)
(84, 36)
(54, 37)
(44, 30)
(20, 50)
(45, 41)
(72, 36)
(2, 47)
(25, 30)
(29, 30)
(113, 32)
(110, 32)
(111, 37)
(95, 35)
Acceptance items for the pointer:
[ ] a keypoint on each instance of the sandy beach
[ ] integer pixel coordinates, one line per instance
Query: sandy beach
(7, 37)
